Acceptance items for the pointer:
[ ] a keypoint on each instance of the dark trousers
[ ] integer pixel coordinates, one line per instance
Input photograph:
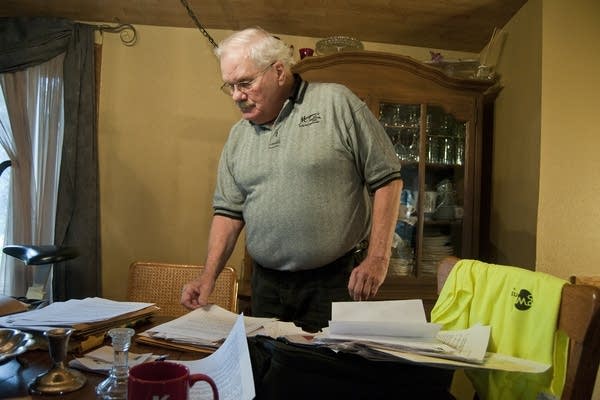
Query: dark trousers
(302, 297)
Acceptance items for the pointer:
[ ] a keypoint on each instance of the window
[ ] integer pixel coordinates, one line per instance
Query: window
(4, 182)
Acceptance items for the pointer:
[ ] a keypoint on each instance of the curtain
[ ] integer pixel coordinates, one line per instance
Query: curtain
(25, 42)
(34, 147)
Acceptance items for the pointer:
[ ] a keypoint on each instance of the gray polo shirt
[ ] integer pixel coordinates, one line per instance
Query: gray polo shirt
(302, 186)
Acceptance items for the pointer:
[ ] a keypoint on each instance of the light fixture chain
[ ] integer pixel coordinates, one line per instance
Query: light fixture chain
(198, 24)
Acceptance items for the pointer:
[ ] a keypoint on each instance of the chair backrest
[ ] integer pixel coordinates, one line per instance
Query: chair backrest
(161, 283)
(579, 318)
(587, 351)
(593, 280)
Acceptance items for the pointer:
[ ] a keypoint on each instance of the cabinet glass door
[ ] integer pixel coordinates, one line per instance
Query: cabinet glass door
(431, 149)
(402, 124)
(443, 189)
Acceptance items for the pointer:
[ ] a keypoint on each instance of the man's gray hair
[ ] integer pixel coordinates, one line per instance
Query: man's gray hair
(258, 45)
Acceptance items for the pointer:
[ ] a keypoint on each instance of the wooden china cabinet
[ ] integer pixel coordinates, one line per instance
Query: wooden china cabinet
(441, 129)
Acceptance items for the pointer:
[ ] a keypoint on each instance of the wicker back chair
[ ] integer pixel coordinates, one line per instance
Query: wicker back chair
(161, 283)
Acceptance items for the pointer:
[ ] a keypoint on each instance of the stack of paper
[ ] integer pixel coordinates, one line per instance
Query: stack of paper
(401, 325)
(77, 314)
(204, 328)
(397, 330)
(90, 319)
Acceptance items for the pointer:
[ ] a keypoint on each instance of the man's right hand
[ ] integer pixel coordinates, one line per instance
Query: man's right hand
(195, 293)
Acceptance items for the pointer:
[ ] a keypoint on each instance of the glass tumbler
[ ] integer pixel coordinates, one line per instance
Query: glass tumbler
(115, 386)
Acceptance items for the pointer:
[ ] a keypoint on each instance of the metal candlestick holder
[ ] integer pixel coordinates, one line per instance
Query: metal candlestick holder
(59, 379)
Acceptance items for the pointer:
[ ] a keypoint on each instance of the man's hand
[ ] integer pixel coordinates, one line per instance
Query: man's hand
(195, 293)
(367, 277)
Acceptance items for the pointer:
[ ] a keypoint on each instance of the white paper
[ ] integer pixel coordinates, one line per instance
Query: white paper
(277, 329)
(396, 310)
(430, 345)
(397, 318)
(401, 325)
(229, 367)
(493, 361)
(102, 359)
(384, 328)
(470, 344)
(205, 326)
(71, 312)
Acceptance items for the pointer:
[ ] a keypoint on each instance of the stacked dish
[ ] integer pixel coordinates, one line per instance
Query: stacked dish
(335, 44)
(13, 342)
(435, 248)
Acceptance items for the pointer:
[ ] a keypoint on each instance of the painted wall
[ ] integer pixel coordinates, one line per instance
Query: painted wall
(546, 139)
(569, 217)
(546, 158)
(162, 124)
(513, 220)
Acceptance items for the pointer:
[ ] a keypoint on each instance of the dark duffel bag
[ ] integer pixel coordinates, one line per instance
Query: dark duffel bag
(288, 371)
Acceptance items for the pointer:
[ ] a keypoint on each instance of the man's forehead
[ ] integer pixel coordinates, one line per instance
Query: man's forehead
(236, 64)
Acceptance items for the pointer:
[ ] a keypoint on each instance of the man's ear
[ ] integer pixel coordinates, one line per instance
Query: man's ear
(281, 72)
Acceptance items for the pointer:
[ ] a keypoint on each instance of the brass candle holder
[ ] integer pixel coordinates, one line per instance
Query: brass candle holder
(58, 379)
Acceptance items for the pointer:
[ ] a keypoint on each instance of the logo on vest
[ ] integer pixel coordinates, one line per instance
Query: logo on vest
(524, 299)
(310, 119)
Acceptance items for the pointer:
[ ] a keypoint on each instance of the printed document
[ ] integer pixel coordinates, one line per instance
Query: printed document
(392, 330)
(206, 326)
(229, 367)
(72, 313)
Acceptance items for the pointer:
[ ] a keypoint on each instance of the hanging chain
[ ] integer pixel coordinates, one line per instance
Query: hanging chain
(198, 24)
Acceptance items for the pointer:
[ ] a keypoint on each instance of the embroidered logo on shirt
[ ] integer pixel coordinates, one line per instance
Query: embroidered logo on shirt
(310, 119)
(524, 299)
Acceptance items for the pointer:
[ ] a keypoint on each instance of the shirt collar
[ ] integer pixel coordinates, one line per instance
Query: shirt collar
(297, 96)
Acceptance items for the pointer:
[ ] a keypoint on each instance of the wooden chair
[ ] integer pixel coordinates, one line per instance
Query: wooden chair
(161, 283)
(593, 280)
(579, 318)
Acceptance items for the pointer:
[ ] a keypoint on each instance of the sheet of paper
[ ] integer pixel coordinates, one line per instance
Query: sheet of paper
(102, 359)
(400, 343)
(384, 328)
(397, 310)
(401, 325)
(277, 329)
(205, 326)
(229, 367)
(470, 344)
(71, 312)
(491, 361)
(398, 318)
(465, 345)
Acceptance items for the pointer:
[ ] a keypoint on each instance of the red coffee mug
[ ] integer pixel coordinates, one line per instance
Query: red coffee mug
(160, 380)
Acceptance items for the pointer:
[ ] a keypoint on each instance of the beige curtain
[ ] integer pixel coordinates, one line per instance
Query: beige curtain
(33, 141)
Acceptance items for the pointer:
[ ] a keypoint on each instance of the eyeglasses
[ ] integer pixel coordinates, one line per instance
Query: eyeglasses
(243, 86)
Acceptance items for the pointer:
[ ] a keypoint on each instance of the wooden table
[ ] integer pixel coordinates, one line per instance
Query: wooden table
(294, 367)
(16, 374)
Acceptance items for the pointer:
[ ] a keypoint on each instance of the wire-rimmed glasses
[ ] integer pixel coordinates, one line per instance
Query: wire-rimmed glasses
(243, 86)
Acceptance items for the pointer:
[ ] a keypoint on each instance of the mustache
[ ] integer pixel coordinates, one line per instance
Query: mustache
(244, 104)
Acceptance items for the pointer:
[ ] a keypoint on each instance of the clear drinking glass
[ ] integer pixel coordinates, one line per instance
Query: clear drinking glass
(115, 386)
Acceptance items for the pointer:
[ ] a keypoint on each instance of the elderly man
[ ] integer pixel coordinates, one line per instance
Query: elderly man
(312, 176)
